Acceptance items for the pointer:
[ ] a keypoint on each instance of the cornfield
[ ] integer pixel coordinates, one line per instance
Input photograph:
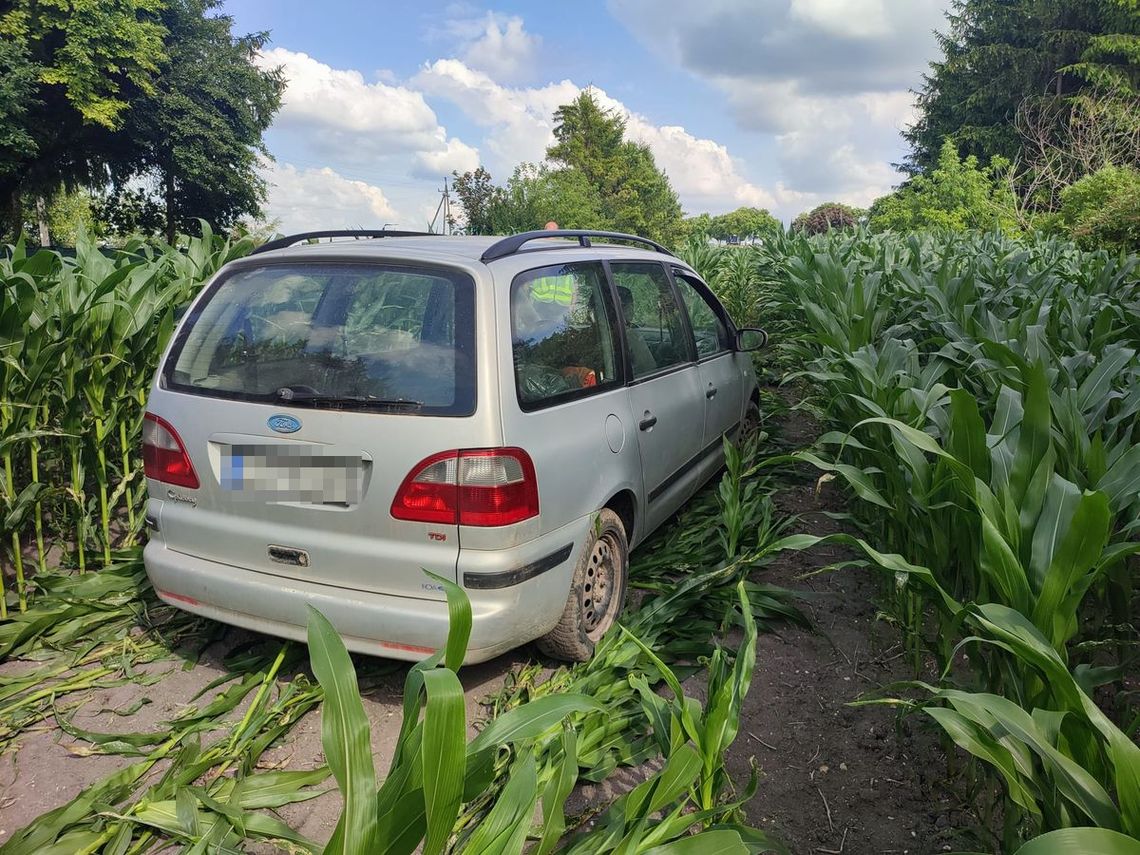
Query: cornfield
(79, 338)
(982, 396)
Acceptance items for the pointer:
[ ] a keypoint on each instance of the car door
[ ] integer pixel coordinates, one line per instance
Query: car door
(721, 377)
(665, 391)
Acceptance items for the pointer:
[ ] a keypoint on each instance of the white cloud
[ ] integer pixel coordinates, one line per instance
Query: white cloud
(503, 48)
(340, 117)
(825, 46)
(340, 100)
(845, 18)
(701, 170)
(321, 199)
(456, 156)
(819, 87)
(827, 80)
(520, 119)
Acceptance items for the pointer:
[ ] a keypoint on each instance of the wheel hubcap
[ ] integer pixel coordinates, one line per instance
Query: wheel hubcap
(600, 582)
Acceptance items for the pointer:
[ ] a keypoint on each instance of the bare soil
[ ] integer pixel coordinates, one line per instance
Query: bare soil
(836, 777)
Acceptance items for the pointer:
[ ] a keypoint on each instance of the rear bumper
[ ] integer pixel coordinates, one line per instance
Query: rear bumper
(407, 628)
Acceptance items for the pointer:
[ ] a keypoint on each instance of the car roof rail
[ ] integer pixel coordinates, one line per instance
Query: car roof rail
(290, 240)
(511, 245)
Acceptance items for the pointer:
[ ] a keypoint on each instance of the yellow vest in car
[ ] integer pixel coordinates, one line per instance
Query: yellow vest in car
(554, 289)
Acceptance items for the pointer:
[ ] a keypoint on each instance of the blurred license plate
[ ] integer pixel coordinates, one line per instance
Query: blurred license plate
(292, 474)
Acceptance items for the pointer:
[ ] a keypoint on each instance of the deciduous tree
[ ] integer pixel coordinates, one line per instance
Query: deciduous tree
(197, 135)
(830, 216)
(743, 223)
(958, 194)
(76, 67)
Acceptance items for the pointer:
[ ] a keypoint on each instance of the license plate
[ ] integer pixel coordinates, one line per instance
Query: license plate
(292, 474)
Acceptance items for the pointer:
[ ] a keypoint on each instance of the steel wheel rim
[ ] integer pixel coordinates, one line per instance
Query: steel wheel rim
(600, 583)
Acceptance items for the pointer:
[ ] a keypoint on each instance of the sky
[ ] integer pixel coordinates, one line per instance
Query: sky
(778, 104)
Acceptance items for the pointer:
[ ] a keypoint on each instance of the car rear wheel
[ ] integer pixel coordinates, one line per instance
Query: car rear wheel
(597, 593)
(751, 424)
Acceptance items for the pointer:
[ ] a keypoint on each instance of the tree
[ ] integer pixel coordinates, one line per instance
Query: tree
(477, 194)
(534, 195)
(743, 223)
(74, 68)
(17, 97)
(198, 133)
(830, 216)
(632, 194)
(997, 53)
(696, 227)
(1064, 142)
(958, 195)
(595, 180)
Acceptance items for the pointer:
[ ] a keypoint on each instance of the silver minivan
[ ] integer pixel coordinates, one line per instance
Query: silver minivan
(331, 420)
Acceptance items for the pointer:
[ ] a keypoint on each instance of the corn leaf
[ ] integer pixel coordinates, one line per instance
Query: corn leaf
(346, 738)
(1086, 841)
(444, 756)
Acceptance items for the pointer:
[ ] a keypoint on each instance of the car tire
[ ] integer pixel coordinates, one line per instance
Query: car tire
(597, 592)
(751, 424)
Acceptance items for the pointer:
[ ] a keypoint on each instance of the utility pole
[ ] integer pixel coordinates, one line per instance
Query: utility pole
(444, 206)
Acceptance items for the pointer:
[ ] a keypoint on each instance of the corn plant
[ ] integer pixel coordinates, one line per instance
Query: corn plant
(434, 769)
(79, 341)
(983, 394)
(578, 724)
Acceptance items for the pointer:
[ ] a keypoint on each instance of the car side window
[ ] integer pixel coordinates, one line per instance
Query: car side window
(562, 330)
(654, 327)
(708, 329)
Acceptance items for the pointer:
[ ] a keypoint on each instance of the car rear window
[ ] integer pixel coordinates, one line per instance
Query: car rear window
(352, 336)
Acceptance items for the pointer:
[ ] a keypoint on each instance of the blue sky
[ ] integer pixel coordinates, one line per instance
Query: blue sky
(775, 103)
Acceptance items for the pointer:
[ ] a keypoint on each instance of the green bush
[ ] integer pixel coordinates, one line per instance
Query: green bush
(1103, 209)
(958, 195)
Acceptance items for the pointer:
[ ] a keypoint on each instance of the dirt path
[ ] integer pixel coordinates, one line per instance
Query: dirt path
(48, 768)
(835, 777)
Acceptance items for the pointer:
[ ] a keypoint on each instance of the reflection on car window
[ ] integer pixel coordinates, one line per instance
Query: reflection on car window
(562, 327)
(653, 324)
(708, 329)
(334, 330)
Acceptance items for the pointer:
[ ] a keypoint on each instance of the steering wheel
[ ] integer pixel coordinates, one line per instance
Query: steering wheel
(298, 387)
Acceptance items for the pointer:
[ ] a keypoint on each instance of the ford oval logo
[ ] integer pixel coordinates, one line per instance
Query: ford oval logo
(284, 424)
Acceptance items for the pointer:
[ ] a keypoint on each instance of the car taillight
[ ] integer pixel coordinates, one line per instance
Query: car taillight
(430, 492)
(476, 487)
(164, 457)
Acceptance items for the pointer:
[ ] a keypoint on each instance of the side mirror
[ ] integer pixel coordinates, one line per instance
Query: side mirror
(749, 339)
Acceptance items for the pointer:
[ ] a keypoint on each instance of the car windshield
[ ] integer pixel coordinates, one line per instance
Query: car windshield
(353, 336)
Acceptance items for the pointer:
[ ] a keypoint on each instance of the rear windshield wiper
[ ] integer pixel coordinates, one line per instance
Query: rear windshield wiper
(295, 396)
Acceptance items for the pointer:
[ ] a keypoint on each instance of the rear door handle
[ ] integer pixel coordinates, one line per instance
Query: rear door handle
(711, 393)
(648, 421)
